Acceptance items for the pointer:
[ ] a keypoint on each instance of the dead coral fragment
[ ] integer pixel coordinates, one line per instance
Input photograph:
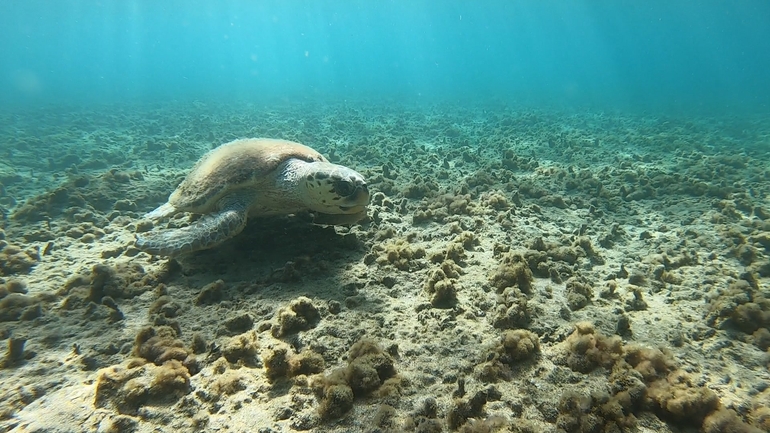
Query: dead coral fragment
(336, 401)
(727, 421)
(589, 350)
(128, 389)
(106, 284)
(513, 272)
(420, 188)
(241, 348)
(488, 425)
(652, 363)
(455, 252)
(514, 347)
(637, 303)
(677, 398)
(752, 316)
(443, 290)
(760, 417)
(15, 353)
(398, 253)
(14, 260)
(14, 306)
(306, 362)
(199, 343)
(518, 345)
(462, 410)
(280, 362)
(744, 307)
(123, 281)
(496, 200)
(229, 382)
(119, 424)
(110, 388)
(170, 378)
(579, 293)
(594, 413)
(277, 362)
(12, 286)
(467, 239)
(299, 315)
(159, 344)
(369, 369)
(641, 378)
(211, 293)
(512, 311)
(442, 207)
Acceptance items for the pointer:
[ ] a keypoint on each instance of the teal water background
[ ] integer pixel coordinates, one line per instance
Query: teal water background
(667, 55)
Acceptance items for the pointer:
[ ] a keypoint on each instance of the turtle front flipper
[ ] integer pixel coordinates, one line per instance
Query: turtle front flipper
(209, 231)
(163, 210)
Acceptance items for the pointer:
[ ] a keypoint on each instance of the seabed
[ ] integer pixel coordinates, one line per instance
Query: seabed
(520, 270)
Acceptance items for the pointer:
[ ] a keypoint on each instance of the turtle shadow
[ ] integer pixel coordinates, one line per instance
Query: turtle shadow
(278, 247)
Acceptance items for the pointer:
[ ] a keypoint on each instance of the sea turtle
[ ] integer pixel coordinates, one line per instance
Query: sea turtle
(255, 177)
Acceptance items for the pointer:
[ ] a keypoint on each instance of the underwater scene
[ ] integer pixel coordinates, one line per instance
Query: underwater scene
(383, 217)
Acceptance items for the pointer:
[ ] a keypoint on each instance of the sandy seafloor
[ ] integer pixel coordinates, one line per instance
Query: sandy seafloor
(504, 250)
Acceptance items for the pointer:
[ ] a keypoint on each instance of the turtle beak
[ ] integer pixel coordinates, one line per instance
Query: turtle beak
(361, 195)
(357, 200)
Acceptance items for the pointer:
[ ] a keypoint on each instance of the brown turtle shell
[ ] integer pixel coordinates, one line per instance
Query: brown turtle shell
(237, 164)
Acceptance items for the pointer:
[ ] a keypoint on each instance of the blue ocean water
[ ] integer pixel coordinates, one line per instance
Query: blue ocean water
(662, 55)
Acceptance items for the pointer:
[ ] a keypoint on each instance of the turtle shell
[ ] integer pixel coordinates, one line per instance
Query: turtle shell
(237, 164)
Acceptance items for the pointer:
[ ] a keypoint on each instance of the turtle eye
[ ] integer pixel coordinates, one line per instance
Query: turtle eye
(344, 188)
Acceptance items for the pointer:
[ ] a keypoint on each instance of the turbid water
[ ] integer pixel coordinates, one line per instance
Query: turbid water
(568, 228)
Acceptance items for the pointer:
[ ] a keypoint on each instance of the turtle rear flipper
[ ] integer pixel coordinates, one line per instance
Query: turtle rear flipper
(209, 231)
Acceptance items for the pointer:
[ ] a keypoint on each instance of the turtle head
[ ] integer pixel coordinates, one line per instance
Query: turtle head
(334, 189)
